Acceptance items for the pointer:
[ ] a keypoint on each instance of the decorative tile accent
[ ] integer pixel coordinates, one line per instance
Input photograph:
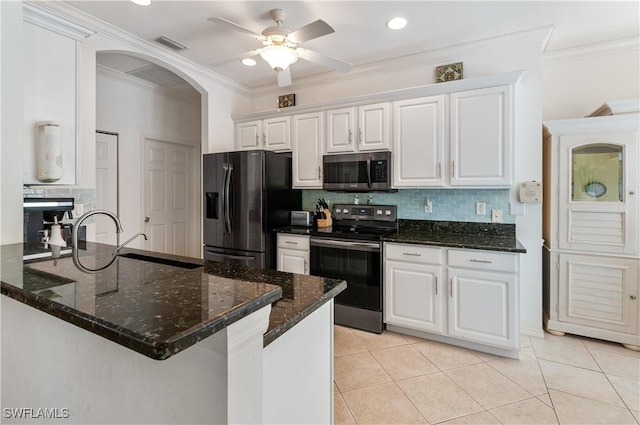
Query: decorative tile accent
(448, 204)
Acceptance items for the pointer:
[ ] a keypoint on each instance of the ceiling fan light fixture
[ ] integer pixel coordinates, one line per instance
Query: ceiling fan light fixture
(249, 62)
(279, 57)
(141, 2)
(396, 23)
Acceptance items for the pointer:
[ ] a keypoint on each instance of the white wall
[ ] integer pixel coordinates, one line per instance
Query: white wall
(136, 110)
(10, 122)
(578, 81)
(521, 51)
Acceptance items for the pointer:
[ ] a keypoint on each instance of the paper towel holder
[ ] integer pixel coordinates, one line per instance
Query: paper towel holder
(48, 152)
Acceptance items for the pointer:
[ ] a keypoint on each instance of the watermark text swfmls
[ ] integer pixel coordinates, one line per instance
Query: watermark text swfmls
(35, 413)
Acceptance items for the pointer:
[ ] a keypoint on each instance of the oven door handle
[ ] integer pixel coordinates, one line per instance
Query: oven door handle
(353, 246)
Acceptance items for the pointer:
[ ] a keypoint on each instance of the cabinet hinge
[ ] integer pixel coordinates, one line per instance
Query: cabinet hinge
(557, 308)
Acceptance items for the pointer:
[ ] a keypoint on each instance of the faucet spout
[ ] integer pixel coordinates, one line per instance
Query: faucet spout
(128, 241)
(83, 217)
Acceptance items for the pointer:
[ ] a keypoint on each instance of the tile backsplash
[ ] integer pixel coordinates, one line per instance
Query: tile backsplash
(447, 204)
(84, 199)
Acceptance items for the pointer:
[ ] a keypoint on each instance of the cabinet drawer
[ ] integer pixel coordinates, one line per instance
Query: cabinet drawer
(483, 260)
(293, 242)
(413, 253)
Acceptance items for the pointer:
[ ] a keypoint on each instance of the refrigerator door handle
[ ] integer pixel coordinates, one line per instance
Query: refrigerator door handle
(232, 257)
(230, 200)
(225, 197)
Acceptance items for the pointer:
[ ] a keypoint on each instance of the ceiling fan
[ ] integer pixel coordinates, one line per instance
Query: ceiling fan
(281, 47)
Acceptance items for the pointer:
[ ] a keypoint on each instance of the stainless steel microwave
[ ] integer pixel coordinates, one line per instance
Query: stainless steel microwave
(357, 172)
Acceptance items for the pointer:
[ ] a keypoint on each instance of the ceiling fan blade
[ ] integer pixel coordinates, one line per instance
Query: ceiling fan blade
(310, 31)
(245, 55)
(322, 59)
(284, 77)
(234, 26)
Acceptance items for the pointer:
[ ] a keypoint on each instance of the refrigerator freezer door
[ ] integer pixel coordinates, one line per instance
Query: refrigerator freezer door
(233, 199)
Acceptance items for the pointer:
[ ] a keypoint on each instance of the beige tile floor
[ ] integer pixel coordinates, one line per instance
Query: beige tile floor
(398, 379)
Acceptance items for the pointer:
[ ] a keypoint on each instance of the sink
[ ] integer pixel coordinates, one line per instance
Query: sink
(165, 261)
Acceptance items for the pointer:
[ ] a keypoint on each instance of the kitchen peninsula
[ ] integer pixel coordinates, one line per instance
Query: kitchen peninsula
(153, 338)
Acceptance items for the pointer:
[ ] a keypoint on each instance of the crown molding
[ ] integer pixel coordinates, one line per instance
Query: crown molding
(622, 45)
(185, 68)
(535, 38)
(34, 14)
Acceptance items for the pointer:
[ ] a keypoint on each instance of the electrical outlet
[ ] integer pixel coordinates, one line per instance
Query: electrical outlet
(428, 206)
(481, 208)
(496, 216)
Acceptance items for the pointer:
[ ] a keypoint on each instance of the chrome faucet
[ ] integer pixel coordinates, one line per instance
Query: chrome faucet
(129, 240)
(83, 217)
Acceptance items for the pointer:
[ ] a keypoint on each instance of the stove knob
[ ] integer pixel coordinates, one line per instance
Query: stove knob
(378, 212)
(387, 212)
(345, 211)
(337, 210)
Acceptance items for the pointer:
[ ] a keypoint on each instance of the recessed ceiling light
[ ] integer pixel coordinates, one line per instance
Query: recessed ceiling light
(249, 62)
(141, 2)
(396, 23)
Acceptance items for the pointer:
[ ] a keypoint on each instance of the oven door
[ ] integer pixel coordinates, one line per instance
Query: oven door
(359, 263)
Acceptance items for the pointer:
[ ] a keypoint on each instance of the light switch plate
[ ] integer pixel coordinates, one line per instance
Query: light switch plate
(481, 208)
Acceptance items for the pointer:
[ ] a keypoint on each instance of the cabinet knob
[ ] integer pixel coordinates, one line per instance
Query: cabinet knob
(632, 193)
(147, 219)
(633, 297)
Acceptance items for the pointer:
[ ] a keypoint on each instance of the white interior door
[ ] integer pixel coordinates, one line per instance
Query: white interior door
(106, 184)
(168, 196)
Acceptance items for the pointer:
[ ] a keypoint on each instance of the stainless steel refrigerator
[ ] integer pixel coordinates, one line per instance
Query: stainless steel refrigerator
(247, 195)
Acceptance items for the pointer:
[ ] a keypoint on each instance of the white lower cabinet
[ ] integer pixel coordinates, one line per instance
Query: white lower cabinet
(482, 307)
(476, 307)
(293, 253)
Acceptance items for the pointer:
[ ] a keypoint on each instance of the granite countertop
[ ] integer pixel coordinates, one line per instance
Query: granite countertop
(486, 236)
(158, 309)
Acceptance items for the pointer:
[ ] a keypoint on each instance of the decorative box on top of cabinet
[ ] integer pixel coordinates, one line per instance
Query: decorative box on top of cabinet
(590, 229)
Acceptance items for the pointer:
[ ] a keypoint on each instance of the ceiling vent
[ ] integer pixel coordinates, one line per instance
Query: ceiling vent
(172, 44)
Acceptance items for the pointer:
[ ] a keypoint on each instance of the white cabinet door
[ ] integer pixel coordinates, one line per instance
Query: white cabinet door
(373, 127)
(248, 135)
(413, 296)
(276, 133)
(341, 129)
(293, 261)
(483, 307)
(481, 137)
(598, 292)
(419, 142)
(604, 220)
(308, 138)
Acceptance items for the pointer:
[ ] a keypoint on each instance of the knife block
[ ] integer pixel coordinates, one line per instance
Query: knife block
(326, 221)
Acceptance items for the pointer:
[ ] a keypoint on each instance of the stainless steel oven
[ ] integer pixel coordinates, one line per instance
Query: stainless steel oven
(352, 251)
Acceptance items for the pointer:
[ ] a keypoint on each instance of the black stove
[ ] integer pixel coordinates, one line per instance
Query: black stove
(351, 249)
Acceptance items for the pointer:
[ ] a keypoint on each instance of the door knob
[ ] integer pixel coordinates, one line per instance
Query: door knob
(147, 219)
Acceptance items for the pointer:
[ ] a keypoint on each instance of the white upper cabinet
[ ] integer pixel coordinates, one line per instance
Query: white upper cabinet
(419, 142)
(272, 134)
(277, 133)
(308, 137)
(369, 133)
(373, 127)
(341, 128)
(248, 135)
(481, 137)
